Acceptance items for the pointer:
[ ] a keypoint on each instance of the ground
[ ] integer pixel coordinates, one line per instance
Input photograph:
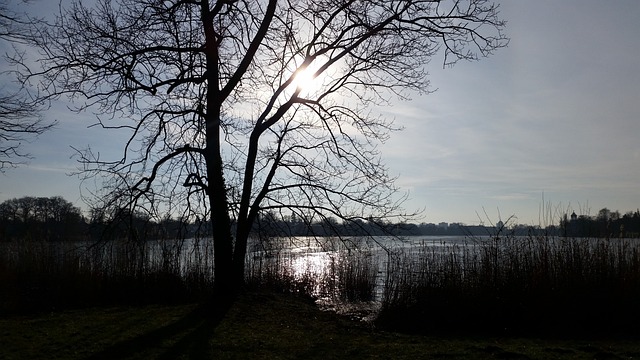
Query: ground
(261, 325)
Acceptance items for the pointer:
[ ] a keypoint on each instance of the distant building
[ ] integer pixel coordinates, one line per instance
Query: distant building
(443, 225)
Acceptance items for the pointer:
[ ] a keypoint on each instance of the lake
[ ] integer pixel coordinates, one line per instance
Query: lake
(348, 275)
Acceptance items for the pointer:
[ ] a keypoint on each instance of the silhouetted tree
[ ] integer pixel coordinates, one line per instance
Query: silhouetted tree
(40, 219)
(20, 119)
(220, 118)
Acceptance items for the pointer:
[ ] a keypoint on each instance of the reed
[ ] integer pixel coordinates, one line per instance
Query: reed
(42, 276)
(354, 274)
(542, 285)
(504, 285)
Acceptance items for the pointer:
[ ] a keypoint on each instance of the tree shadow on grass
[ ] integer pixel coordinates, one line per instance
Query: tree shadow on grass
(195, 329)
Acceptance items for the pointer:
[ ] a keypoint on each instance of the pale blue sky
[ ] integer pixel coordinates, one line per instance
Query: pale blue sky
(555, 113)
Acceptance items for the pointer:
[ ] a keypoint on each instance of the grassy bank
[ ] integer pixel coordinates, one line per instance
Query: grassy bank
(260, 325)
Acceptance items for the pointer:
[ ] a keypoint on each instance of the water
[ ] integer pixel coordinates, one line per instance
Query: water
(348, 275)
(316, 254)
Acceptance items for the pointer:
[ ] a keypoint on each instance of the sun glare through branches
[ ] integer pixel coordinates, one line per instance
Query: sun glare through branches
(308, 81)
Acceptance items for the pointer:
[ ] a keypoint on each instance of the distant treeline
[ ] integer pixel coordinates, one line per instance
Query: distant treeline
(41, 218)
(55, 219)
(606, 224)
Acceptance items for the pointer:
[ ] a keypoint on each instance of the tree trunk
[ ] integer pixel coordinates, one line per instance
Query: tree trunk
(240, 252)
(224, 280)
(221, 224)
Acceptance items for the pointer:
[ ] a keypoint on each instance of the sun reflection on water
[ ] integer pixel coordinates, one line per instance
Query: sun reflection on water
(316, 264)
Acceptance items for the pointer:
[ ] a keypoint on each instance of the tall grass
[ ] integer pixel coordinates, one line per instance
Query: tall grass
(353, 274)
(41, 276)
(541, 285)
(504, 285)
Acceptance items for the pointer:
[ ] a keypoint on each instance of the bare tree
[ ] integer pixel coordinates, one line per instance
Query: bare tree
(20, 119)
(242, 107)
(20, 122)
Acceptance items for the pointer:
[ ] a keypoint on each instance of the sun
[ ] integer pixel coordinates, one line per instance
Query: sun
(307, 81)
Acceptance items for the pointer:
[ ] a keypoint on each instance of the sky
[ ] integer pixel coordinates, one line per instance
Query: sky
(547, 126)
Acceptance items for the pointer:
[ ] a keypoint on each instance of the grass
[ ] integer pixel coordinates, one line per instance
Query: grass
(261, 325)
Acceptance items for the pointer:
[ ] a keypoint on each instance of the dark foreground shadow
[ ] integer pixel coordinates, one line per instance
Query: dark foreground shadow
(195, 329)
